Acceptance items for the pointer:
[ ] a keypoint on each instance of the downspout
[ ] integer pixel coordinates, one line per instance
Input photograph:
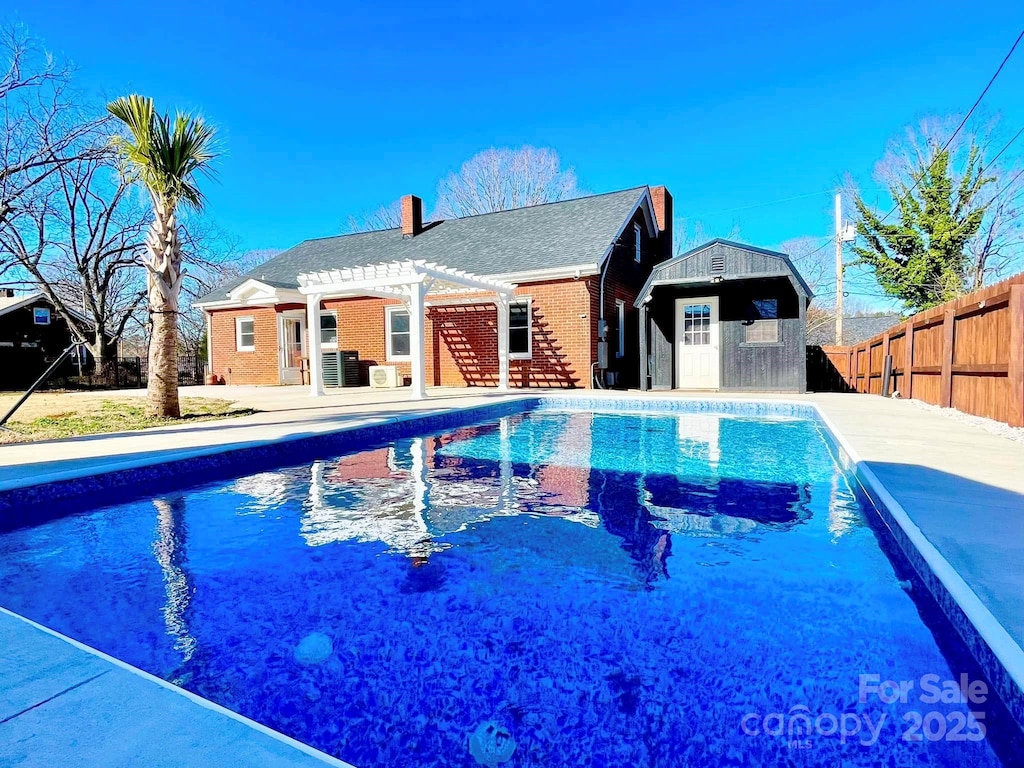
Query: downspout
(209, 343)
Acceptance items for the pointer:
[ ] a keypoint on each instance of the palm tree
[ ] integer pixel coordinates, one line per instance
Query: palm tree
(164, 157)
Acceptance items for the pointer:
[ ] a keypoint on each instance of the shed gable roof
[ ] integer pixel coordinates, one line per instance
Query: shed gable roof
(737, 260)
(565, 234)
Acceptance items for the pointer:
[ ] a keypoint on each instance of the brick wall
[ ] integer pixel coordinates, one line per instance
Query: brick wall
(256, 367)
(461, 342)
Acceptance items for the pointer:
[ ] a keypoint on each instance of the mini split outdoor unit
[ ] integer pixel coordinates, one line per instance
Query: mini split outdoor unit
(384, 376)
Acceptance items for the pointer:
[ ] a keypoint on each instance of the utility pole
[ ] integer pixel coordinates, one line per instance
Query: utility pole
(839, 269)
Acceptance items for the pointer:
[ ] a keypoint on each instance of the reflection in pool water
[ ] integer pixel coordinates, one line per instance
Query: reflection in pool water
(593, 588)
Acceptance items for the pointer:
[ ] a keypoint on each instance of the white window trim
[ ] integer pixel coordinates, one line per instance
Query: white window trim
(528, 354)
(239, 347)
(620, 312)
(388, 312)
(637, 244)
(49, 315)
(337, 329)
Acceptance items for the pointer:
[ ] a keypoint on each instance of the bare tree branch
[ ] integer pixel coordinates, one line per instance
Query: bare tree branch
(501, 179)
(385, 217)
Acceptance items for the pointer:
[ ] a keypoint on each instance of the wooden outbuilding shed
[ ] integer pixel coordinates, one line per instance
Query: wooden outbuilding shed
(724, 316)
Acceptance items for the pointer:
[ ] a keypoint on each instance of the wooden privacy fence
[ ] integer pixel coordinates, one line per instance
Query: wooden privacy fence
(967, 354)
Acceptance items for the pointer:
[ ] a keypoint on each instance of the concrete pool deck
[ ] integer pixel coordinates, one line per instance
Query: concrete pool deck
(961, 485)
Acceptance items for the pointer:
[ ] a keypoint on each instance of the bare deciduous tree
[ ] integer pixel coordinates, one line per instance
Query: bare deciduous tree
(214, 257)
(688, 236)
(815, 260)
(43, 125)
(499, 179)
(78, 239)
(385, 217)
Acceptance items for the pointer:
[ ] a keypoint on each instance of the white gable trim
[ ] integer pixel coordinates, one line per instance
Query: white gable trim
(255, 293)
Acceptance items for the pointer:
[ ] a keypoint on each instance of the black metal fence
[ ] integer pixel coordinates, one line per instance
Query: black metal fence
(191, 370)
(123, 373)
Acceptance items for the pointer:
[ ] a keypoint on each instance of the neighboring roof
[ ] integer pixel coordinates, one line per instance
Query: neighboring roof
(675, 268)
(11, 303)
(855, 329)
(565, 234)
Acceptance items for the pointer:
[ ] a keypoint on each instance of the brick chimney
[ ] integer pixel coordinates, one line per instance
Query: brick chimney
(412, 216)
(661, 200)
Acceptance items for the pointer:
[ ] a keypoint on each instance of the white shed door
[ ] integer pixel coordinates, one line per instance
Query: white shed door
(697, 357)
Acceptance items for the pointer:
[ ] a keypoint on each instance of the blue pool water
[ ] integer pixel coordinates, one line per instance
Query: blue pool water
(553, 588)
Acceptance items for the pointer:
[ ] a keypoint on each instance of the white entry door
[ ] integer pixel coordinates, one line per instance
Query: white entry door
(293, 349)
(697, 357)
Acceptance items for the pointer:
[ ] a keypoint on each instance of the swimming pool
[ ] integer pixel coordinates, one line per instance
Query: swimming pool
(558, 586)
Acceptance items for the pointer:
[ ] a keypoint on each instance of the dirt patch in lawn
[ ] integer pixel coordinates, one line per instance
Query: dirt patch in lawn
(53, 415)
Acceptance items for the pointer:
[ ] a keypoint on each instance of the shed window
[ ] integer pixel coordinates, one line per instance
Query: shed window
(41, 315)
(398, 334)
(245, 334)
(637, 242)
(763, 326)
(329, 329)
(520, 338)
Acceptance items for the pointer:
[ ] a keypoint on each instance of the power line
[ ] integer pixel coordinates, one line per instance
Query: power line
(759, 205)
(959, 127)
(827, 243)
(1006, 146)
(1008, 184)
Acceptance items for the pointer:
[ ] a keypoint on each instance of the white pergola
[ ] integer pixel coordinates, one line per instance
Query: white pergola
(411, 282)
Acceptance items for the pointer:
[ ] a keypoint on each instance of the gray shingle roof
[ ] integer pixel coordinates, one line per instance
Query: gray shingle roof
(855, 330)
(563, 234)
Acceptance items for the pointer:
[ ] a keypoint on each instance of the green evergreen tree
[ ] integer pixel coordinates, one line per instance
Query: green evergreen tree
(921, 259)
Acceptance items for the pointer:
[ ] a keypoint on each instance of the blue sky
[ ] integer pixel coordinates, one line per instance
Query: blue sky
(328, 110)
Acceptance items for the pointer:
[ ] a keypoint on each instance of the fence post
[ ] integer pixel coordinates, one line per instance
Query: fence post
(883, 384)
(908, 360)
(946, 377)
(1015, 370)
(867, 377)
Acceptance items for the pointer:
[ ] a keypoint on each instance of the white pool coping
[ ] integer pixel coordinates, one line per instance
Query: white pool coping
(1005, 648)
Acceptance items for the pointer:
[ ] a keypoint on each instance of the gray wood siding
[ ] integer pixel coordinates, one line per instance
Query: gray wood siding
(738, 262)
(762, 366)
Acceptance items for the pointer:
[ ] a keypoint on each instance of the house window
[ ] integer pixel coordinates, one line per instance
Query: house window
(245, 334)
(41, 315)
(763, 326)
(636, 243)
(329, 329)
(620, 313)
(397, 334)
(520, 337)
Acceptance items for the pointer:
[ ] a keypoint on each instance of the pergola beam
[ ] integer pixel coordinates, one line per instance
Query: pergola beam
(411, 282)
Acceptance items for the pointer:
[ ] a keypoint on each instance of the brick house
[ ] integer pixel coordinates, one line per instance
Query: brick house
(568, 274)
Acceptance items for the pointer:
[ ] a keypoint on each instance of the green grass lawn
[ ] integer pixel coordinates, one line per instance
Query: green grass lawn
(54, 416)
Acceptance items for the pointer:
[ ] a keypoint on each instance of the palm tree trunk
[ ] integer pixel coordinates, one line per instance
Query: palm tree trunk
(163, 266)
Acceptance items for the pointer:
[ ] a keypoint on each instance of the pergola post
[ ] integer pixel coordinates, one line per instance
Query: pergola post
(316, 379)
(416, 344)
(502, 306)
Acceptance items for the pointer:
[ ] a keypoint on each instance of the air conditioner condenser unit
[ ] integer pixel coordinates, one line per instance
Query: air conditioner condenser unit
(384, 377)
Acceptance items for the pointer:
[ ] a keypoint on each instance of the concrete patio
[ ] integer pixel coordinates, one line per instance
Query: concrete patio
(960, 485)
